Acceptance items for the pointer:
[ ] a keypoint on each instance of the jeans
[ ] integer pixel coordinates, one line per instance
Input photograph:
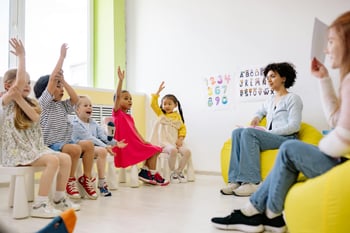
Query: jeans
(247, 143)
(293, 157)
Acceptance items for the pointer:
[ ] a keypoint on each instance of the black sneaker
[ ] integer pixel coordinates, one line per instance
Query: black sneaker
(277, 224)
(238, 221)
(146, 176)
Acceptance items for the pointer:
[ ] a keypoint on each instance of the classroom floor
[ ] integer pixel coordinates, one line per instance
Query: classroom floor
(175, 208)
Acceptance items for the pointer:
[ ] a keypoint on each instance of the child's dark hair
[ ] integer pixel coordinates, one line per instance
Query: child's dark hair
(176, 101)
(284, 69)
(41, 85)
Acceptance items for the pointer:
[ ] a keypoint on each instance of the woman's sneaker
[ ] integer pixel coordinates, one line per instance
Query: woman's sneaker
(146, 176)
(44, 210)
(246, 189)
(104, 191)
(238, 221)
(160, 180)
(174, 178)
(228, 190)
(276, 224)
(87, 187)
(65, 204)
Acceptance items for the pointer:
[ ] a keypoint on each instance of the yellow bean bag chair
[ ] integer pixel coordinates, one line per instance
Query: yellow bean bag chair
(307, 133)
(320, 204)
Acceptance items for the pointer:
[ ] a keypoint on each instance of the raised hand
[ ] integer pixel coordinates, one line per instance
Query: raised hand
(121, 74)
(64, 48)
(18, 48)
(318, 69)
(161, 87)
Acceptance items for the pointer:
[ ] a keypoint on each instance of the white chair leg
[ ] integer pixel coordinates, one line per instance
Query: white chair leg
(30, 183)
(134, 177)
(122, 175)
(190, 170)
(113, 181)
(20, 208)
(12, 190)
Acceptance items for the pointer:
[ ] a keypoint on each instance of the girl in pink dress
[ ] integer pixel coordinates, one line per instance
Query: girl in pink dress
(138, 149)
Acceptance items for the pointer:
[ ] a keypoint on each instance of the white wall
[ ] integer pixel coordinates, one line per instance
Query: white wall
(185, 41)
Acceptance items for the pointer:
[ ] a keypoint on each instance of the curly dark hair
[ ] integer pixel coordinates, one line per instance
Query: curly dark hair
(285, 70)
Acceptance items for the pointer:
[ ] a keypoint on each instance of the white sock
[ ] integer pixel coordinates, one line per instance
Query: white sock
(249, 210)
(59, 195)
(101, 182)
(271, 214)
(153, 172)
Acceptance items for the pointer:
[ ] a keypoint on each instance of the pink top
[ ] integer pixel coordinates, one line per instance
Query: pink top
(136, 151)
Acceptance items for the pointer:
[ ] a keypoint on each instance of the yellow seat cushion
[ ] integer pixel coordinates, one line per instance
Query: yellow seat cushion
(307, 134)
(320, 204)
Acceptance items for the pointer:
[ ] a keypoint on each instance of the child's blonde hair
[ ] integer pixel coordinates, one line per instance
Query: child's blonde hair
(22, 121)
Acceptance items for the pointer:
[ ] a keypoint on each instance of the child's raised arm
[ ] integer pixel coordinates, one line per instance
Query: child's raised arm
(19, 51)
(57, 74)
(121, 76)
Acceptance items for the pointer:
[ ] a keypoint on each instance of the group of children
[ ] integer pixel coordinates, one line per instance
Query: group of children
(39, 132)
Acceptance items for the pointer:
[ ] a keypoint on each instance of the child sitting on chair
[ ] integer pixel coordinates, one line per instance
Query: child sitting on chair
(86, 128)
(57, 129)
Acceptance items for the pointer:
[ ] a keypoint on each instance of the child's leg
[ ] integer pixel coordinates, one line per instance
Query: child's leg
(151, 162)
(51, 164)
(172, 152)
(63, 171)
(186, 154)
(74, 152)
(88, 151)
(101, 155)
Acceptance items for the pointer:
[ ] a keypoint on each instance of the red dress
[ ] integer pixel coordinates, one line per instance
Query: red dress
(136, 151)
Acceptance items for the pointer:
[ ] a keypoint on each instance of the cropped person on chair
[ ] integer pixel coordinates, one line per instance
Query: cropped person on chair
(283, 112)
(264, 209)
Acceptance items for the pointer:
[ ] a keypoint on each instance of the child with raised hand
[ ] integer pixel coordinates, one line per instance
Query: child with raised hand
(57, 129)
(169, 132)
(138, 149)
(86, 128)
(22, 140)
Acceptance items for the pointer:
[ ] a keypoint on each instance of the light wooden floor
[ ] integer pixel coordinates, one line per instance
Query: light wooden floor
(175, 208)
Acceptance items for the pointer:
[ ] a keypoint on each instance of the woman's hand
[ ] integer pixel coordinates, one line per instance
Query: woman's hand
(318, 69)
(255, 121)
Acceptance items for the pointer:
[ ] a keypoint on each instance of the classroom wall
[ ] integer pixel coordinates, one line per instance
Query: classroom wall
(184, 42)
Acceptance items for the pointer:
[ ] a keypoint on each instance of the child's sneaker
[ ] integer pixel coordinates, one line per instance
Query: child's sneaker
(72, 189)
(182, 178)
(104, 191)
(146, 176)
(160, 180)
(44, 210)
(174, 178)
(87, 187)
(65, 204)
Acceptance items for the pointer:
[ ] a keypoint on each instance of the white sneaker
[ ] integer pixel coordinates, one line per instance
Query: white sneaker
(182, 178)
(44, 210)
(246, 189)
(65, 204)
(228, 190)
(174, 178)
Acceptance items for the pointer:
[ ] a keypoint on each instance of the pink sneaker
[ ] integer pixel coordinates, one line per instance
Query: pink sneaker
(86, 186)
(72, 189)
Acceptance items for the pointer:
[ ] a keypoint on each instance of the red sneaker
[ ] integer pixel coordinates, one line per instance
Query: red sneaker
(72, 189)
(86, 186)
(160, 180)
